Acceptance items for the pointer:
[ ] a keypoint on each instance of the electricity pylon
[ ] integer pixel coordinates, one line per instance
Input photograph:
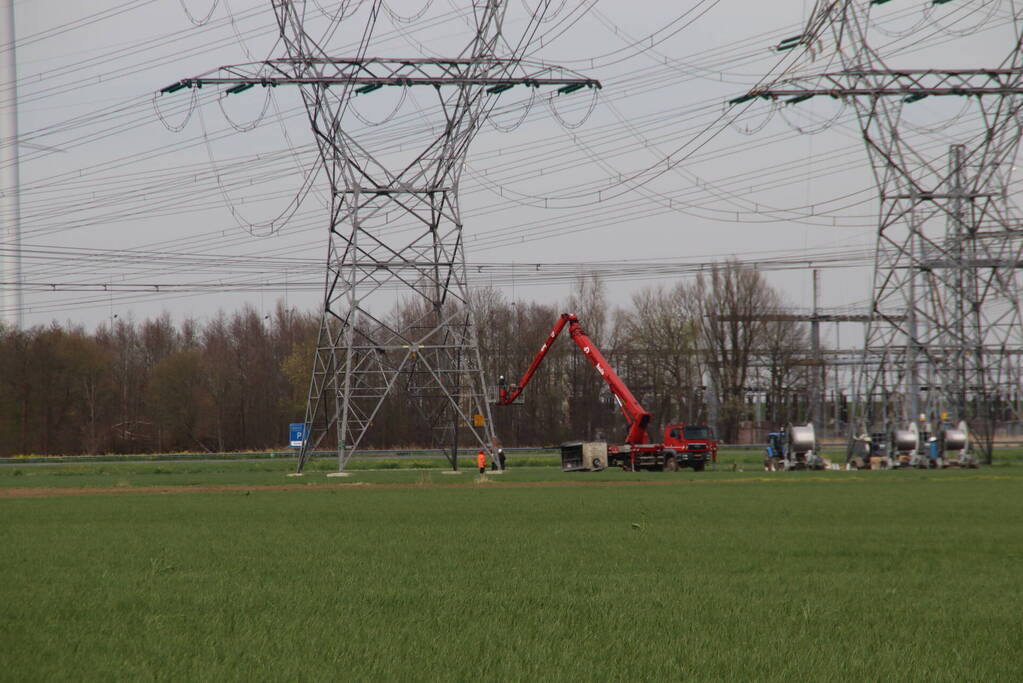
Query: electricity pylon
(945, 337)
(395, 228)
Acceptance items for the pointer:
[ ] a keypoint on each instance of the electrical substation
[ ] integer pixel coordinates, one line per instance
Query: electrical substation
(940, 371)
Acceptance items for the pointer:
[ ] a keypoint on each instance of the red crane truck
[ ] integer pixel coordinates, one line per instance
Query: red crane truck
(683, 445)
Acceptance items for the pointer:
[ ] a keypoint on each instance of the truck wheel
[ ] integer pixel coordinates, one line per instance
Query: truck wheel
(670, 464)
(699, 466)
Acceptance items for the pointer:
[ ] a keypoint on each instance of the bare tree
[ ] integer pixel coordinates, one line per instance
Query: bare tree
(235, 381)
(660, 344)
(732, 299)
(783, 371)
(592, 410)
(176, 399)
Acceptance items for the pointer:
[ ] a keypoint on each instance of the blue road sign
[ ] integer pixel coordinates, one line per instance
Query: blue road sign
(297, 434)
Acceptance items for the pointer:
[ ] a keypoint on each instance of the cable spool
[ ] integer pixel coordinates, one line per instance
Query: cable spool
(801, 438)
(904, 440)
(965, 429)
(954, 439)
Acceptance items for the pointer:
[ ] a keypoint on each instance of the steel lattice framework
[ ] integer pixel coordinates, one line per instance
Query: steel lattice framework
(395, 228)
(945, 332)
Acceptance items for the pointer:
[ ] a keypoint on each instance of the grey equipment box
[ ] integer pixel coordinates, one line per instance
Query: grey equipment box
(583, 456)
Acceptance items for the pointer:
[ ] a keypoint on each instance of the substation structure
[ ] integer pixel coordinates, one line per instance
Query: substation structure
(395, 227)
(943, 343)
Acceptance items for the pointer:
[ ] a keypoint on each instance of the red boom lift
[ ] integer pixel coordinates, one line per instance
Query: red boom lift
(683, 446)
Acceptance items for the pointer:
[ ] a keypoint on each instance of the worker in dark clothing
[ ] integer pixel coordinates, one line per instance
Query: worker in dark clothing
(500, 457)
(481, 461)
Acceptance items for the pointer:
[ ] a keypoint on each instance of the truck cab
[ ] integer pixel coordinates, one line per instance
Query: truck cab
(694, 445)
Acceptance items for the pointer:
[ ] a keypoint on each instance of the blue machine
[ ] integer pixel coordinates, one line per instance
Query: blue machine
(793, 449)
(774, 458)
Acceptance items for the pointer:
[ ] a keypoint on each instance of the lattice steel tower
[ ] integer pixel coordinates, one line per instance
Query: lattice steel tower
(945, 334)
(396, 228)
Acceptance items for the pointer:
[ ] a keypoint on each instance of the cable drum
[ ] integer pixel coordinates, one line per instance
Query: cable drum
(965, 429)
(802, 438)
(904, 440)
(955, 439)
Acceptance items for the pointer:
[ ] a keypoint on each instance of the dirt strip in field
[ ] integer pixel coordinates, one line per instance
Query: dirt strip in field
(41, 492)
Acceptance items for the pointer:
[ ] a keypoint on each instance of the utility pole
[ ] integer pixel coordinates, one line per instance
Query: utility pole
(11, 301)
(431, 354)
(817, 394)
(946, 291)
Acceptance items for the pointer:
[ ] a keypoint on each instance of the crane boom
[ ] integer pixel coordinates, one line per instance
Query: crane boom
(635, 415)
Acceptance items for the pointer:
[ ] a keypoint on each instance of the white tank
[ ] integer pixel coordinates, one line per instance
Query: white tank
(904, 440)
(955, 439)
(801, 438)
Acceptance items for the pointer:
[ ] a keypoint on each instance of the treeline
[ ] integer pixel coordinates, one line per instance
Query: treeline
(690, 352)
(134, 387)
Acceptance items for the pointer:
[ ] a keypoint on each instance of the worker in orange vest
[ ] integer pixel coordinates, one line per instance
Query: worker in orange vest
(481, 461)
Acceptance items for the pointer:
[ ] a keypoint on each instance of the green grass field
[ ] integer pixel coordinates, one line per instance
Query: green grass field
(742, 575)
(268, 471)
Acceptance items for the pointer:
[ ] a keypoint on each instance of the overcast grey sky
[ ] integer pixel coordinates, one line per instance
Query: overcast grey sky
(111, 197)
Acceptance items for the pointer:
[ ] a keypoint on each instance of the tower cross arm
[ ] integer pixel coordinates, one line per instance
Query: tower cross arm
(906, 83)
(495, 74)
